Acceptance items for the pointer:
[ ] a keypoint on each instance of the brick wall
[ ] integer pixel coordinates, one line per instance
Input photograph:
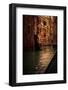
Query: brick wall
(44, 27)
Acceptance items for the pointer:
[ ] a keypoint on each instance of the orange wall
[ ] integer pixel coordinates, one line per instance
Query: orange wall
(45, 27)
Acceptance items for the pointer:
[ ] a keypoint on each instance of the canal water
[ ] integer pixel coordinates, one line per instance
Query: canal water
(36, 62)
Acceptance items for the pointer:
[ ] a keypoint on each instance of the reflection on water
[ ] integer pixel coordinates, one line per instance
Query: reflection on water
(37, 62)
(45, 57)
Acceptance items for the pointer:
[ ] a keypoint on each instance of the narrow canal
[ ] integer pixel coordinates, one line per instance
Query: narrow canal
(36, 62)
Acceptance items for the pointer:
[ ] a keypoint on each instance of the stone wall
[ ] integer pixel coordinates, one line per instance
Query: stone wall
(44, 27)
